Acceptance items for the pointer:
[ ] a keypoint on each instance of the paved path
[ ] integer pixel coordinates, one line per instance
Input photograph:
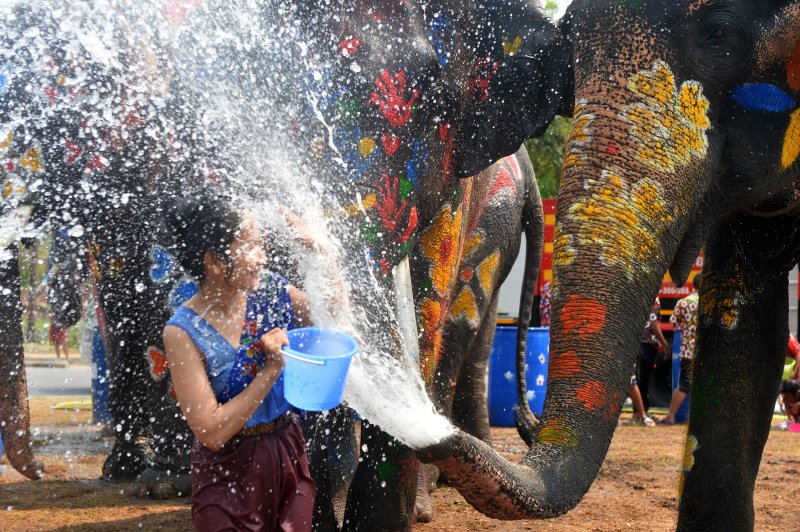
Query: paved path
(72, 380)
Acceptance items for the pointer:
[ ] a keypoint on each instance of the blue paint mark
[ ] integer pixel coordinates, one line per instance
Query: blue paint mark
(437, 35)
(322, 89)
(762, 97)
(418, 164)
(162, 264)
(184, 290)
(5, 77)
(347, 143)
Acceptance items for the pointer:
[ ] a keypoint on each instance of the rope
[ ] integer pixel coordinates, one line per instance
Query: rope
(773, 214)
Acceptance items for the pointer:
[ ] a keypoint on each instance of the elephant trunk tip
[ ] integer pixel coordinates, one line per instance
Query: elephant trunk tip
(441, 450)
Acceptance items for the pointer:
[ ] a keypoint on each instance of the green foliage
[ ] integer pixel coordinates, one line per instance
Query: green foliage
(547, 155)
(551, 8)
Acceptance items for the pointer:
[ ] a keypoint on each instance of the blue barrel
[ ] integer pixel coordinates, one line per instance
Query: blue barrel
(683, 412)
(100, 412)
(503, 373)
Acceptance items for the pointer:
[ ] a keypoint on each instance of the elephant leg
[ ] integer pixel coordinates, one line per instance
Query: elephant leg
(741, 344)
(331, 443)
(382, 493)
(470, 407)
(14, 412)
(169, 473)
(124, 305)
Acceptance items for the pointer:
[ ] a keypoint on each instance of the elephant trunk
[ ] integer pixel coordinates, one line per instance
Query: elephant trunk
(617, 232)
(14, 413)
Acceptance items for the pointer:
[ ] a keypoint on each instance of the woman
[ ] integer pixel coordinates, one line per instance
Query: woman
(223, 346)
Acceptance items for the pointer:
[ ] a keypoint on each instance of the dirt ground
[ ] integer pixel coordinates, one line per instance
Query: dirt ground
(636, 489)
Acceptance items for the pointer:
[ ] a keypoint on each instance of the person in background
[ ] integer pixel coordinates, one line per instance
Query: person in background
(793, 352)
(223, 347)
(652, 343)
(685, 318)
(58, 337)
(544, 305)
(652, 336)
(790, 400)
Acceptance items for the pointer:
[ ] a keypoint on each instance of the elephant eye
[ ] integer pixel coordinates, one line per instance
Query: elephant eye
(718, 33)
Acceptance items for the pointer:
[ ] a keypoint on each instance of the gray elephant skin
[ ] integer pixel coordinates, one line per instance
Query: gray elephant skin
(684, 134)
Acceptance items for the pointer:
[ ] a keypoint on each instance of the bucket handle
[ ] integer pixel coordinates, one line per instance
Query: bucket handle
(303, 359)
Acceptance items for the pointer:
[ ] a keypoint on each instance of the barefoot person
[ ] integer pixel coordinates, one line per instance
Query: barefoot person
(249, 464)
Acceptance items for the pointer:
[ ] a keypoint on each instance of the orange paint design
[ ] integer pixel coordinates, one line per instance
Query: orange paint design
(555, 432)
(431, 341)
(593, 395)
(158, 362)
(583, 316)
(465, 307)
(564, 366)
(440, 245)
(487, 272)
(793, 69)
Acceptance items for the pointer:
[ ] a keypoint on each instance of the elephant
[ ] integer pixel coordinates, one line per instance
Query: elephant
(465, 250)
(684, 134)
(79, 153)
(389, 106)
(417, 92)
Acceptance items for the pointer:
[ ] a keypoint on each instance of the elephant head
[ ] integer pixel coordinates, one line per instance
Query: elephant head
(685, 120)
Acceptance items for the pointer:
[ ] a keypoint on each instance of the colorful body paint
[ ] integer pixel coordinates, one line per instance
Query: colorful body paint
(669, 124)
(555, 432)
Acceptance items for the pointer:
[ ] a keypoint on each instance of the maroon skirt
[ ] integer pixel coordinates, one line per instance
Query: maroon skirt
(253, 483)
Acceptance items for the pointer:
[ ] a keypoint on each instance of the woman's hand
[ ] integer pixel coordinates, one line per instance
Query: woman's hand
(272, 342)
(303, 234)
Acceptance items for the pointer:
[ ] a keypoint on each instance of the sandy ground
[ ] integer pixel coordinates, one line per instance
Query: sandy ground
(636, 489)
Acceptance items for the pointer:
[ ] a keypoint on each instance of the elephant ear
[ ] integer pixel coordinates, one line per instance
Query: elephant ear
(504, 76)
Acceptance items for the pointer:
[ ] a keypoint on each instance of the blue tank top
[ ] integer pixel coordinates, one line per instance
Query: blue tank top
(230, 369)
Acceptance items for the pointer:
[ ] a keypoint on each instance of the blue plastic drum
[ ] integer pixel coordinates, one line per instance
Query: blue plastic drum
(317, 362)
(503, 373)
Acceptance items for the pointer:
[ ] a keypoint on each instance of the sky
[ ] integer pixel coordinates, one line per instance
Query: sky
(562, 6)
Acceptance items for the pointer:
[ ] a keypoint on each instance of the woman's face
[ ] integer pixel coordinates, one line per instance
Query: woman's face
(248, 257)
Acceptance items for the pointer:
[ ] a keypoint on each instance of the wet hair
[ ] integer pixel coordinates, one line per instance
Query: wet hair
(697, 281)
(203, 225)
(790, 386)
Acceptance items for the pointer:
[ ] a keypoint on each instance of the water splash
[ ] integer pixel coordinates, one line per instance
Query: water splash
(221, 89)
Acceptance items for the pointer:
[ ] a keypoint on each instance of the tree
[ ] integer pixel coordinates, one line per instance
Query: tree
(547, 156)
(551, 8)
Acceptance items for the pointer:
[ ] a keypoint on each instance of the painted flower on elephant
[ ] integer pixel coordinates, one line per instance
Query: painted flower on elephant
(669, 123)
(690, 447)
(721, 298)
(563, 248)
(579, 129)
(621, 220)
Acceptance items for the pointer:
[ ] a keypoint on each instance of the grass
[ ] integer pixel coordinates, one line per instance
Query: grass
(43, 411)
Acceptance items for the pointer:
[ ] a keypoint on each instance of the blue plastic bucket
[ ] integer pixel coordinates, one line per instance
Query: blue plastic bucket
(503, 373)
(317, 362)
(683, 412)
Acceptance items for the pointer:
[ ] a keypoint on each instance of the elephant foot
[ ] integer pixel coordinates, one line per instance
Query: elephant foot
(160, 484)
(127, 460)
(25, 463)
(423, 505)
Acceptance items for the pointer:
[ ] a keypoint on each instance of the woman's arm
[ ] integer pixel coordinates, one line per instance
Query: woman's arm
(212, 423)
(337, 297)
